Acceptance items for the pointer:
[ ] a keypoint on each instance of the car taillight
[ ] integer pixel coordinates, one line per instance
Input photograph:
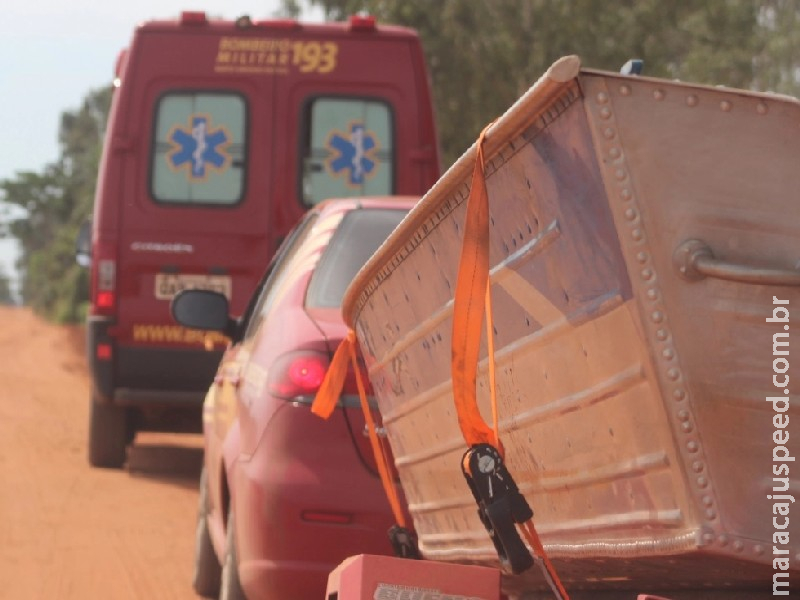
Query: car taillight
(351, 385)
(297, 374)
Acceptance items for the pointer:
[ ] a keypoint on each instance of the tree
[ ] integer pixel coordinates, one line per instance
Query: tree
(6, 296)
(483, 55)
(51, 205)
(777, 66)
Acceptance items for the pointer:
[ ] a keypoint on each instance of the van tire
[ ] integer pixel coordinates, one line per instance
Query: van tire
(207, 570)
(231, 587)
(108, 435)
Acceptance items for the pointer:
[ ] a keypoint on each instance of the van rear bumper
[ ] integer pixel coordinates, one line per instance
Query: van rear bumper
(165, 398)
(147, 376)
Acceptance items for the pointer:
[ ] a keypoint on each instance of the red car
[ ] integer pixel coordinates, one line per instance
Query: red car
(285, 496)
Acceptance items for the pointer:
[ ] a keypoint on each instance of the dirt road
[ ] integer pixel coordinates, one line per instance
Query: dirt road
(68, 531)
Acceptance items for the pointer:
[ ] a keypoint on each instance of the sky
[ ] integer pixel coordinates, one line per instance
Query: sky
(53, 53)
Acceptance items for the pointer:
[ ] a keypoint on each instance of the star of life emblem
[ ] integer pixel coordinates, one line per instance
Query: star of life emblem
(199, 147)
(352, 154)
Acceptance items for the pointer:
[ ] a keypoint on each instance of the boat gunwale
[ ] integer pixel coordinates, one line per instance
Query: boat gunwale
(560, 76)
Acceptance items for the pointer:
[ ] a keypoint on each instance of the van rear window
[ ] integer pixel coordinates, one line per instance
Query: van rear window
(349, 149)
(199, 145)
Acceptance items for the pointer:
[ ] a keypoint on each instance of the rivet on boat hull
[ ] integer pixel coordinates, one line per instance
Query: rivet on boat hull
(761, 108)
(669, 370)
(725, 106)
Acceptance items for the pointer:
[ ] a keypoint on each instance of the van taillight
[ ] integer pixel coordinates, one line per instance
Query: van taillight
(105, 299)
(362, 23)
(104, 279)
(193, 17)
(297, 374)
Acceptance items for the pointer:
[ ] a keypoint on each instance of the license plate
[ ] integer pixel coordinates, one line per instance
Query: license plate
(168, 284)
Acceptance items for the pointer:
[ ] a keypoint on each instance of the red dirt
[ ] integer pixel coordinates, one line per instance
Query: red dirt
(70, 531)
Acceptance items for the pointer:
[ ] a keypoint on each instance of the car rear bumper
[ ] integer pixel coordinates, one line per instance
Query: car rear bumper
(304, 502)
(266, 580)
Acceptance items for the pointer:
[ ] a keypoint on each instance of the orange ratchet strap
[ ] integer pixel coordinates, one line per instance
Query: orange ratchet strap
(501, 506)
(325, 402)
(468, 307)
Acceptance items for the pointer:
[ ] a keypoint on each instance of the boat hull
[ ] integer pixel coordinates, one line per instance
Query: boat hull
(632, 387)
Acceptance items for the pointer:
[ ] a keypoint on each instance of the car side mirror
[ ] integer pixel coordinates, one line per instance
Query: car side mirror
(201, 309)
(83, 245)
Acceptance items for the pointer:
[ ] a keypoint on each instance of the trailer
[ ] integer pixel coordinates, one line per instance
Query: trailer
(631, 246)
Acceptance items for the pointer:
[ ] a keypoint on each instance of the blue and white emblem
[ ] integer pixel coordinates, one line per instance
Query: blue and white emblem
(353, 153)
(199, 147)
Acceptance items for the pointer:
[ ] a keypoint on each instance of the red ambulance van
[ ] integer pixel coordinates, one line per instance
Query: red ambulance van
(221, 135)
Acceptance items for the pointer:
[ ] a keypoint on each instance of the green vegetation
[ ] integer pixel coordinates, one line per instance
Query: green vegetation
(53, 204)
(6, 296)
(482, 56)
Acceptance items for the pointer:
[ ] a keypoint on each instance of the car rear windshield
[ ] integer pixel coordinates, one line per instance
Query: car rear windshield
(359, 234)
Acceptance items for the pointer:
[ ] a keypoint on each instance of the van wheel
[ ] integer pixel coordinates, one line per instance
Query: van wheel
(207, 570)
(108, 435)
(231, 587)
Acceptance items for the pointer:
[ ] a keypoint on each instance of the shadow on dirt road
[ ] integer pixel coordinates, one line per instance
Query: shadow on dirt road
(166, 458)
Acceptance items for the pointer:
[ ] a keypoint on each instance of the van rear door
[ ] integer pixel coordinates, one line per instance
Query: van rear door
(190, 217)
(365, 129)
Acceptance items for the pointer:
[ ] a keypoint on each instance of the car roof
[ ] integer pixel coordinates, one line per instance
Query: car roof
(389, 202)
